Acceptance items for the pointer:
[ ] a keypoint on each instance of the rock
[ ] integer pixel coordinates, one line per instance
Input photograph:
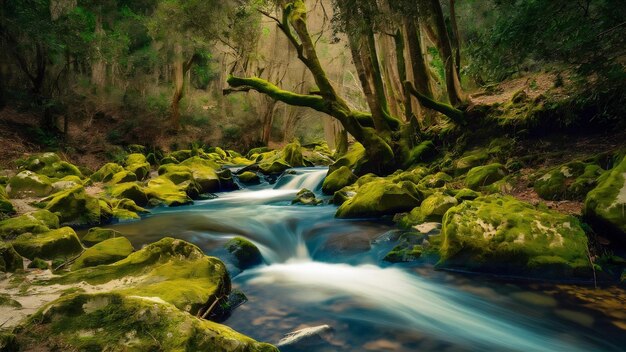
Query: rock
(28, 184)
(292, 154)
(305, 339)
(414, 175)
(50, 165)
(181, 155)
(36, 222)
(74, 206)
(352, 159)
(470, 160)
(204, 173)
(249, 178)
(381, 197)
(106, 252)
(501, 235)
(275, 167)
(162, 190)
(135, 158)
(306, 197)
(10, 260)
(66, 183)
(106, 172)
(123, 177)
(338, 179)
(221, 312)
(571, 181)
(423, 152)
(246, 252)
(481, 176)
(404, 253)
(466, 194)
(93, 322)
(39, 263)
(171, 270)
(53, 244)
(437, 180)
(226, 180)
(96, 235)
(130, 190)
(605, 205)
(6, 207)
(432, 209)
(142, 171)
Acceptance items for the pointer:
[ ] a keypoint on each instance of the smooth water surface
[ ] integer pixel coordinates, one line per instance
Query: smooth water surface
(321, 270)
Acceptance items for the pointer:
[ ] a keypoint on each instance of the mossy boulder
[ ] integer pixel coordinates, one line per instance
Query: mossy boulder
(249, 178)
(246, 253)
(481, 176)
(292, 154)
(173, 270)
(106, 172)
(502, 235)
(274, 167)
(39, 263)
(35, 222)
(92, 322)
(432, 208)
(106, 252)
(6, 207)
(181, 155)
(204, 173)
(605, 205)
(570, 181)
(66, 183)
(381, 197)
(161, 190)
(135, 158)
(96, 235)
(306, 197)
(74, 206)
(53, 244)
(130, 190)
(123, 177)
(10, 260)
(351, 160)
(470, 160)
(414, 175)
(142, 171)
(29, 184)
(438, 180)
(466, 194)
(423, 152)
(338, 179)
(404, 252)
(50, 165)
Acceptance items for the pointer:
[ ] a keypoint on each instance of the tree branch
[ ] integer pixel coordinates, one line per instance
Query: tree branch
(452, 113)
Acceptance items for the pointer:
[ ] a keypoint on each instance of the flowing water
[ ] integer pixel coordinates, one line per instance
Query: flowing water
(321, 270)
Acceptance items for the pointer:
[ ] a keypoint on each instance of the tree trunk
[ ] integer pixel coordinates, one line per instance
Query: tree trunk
(456, 40)
(179, 82)
(98, 66)
(268, 120)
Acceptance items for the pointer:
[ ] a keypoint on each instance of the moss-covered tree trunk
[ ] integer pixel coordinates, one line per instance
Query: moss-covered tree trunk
(456, 40)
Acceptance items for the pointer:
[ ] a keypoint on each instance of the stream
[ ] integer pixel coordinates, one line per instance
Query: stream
(321, 270)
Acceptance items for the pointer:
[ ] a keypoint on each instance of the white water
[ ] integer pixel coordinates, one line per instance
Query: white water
(309, 178)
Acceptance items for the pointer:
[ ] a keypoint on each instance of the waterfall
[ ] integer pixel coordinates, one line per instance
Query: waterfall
(297, 179)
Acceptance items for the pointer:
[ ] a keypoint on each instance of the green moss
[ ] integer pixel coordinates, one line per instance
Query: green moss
(162, 190)
(204, 173)
(142, 170)
(96, 235)
(499, 234)
(7, 301)
(437, 180)
(135, 158)
(381, 197)
(249, 178)
(39, 263)
(292, 154)
(8, 342)
(484, 175)
(10, 260)
(123, 177)
(130, 190)
(169, 160)
(306, 197)
(6, 207)
(106, 252)
(422, 153)
(106, 172)
(29, 184)
(338, 179)
(466, 194)
(432, 209)
(275, 167)
(35, 222)
(74, 206)
(403, 253)
(181, 155)
(91, 322)
(606, 204)
(568, 181)
(470, 160)
(49, 245)
(66, 183)
(351, 160)
(49, 164)
(246, 253)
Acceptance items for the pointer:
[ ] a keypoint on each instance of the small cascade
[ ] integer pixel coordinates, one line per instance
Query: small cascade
(297, 179)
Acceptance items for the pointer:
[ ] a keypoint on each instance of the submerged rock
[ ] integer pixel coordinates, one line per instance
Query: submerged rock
(306, 197)
(501, 235)
(246, 253)
(606, 204)
(60, 243)
(106, 252)
(249, 178)
(113, 321)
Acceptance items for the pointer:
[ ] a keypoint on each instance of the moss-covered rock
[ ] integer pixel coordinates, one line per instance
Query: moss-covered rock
(501, 235)
(53, 244)
(274, 167)
(29, 184)
(66, 183)
(35, 222)
(246, 253)
(338, 179)
(569, 181)
(6, 207)
(135, 158)
(381, 197)
(74, 206)
(423, 152)
(106, 172)
(10, 260)
(91, 322)
(50, 165)
(123, 177)
(249, 178)
(130, 190)
(438, 180)
(404, 253)
(432, 209)
(351, 160)
(292, 154)
(470, 160)
(161, 190)
(169, 160)
(181, 155)
(481, 176)
(39, 263)
(106, 252)
(204, 173)
(466, 194)
(605, 205)
(142, 170)
(96, 235)
(306, 197)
